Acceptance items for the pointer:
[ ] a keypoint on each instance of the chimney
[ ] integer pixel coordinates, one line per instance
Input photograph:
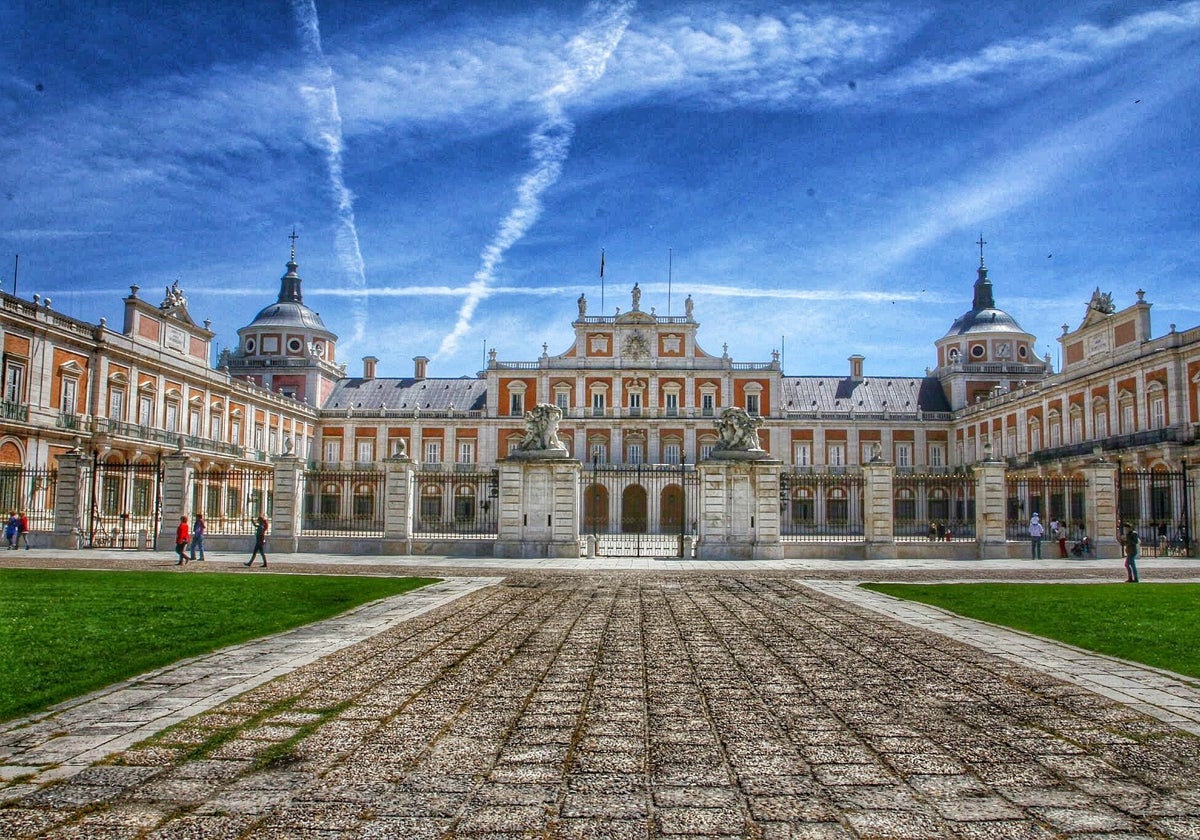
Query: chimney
(369, 363)
(856, 362)
(419, 365)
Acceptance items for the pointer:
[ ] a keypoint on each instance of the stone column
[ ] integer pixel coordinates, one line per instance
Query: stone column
(397, 505)
(878, 511)
(70, 500)
(1100, 507)
(287, 506)
(539, 507)
(176, 493)
(990, 510)
(739, 510)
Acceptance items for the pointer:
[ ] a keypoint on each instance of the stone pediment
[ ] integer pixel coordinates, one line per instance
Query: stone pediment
(1099, 308)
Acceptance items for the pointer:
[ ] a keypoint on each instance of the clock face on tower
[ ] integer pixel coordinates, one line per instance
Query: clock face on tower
(1004, 350)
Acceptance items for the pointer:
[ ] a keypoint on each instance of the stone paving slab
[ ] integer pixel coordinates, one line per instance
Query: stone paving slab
(62, 741)
(637, 705)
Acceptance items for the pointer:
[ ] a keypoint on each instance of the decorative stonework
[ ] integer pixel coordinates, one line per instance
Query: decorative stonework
(541, 434)
(738, 433)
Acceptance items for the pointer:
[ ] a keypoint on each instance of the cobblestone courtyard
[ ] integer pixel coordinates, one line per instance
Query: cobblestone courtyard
(638, 705)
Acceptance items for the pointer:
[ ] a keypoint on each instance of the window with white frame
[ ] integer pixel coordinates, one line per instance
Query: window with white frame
(903, 454)
(70, 394)
(672, 403)
(466, 452)
(599, 402)
(635, 403)
(866, 451)
(116, 404)
(14, 381)
(937, 455)
(172, 421)
(516, 404)
(706, 448)
(333, 450)
(599, 452)
(635, 452)
(708, 402)
(433, 452)
(671, 453)
(273, 441)
(1100, 421)
(235, 432)
(1158, 412)
(194, 422)
(802, 454)
(837, 454)
(562, 398)
(216, 425)
(1035, 436)
(1055, 431)
(1127, 425)
(1076, 425)
(364, 450)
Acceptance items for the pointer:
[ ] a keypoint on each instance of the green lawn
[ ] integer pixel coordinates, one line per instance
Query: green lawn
(64, 633)
(1154, 623)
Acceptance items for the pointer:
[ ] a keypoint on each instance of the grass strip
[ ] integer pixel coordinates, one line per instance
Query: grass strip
(65, 633)
(1156, 624)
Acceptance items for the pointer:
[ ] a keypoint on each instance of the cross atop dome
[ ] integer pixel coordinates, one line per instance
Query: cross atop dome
(981, 242)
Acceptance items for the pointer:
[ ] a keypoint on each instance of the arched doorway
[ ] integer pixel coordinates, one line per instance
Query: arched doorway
(633, 510)
(595, 508)
(670, 516)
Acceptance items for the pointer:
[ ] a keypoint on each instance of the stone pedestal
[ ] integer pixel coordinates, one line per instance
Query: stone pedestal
(990, 510)
(287, 506)
(1100, 512)
(878, 511)
(176, 496)
(539, 508)
(739, 510)
(398, 505)
(70, 500)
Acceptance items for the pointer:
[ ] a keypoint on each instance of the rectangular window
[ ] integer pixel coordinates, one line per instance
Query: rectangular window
(598, 403)
(466, 452)
(14, 383)
(172, 417)
(235, 432)
(634, 453)
(707, 401)
(273, 439)
(365, 450)
(145, 410)
(705, 451)
(516, 405)
(258, 438)
(563, 400)
(1055, 435)
(802, 454)
(752, 404)
(1101, 424)
(333, 450)
(1076, 429)
(671, 453)
(1127, 419)
(600, 453)
(217, 426)
(70, 390)
(1158, 413)
(635, 403)
(903, 455)
(116, 404)
(194, 423)
(837, 454)
(433, 452)
(867, 452)
(672, 404)
(937, 456)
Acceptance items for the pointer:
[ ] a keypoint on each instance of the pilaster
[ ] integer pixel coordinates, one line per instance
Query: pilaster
(1100, 507)
(539, 508)
(70, 500)
(176, 495)
(878, 510)
(739, 510)
(398, 504)
(990, 510)
(287, 505)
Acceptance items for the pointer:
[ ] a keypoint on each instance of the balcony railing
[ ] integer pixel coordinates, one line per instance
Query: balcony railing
(14, 411)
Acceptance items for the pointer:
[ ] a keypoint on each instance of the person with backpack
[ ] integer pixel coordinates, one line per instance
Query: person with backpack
(1132, 540)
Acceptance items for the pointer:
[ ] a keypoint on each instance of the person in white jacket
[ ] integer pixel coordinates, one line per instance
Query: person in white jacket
(1036, 532)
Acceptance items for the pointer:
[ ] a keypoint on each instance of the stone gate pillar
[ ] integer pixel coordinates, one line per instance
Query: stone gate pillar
(879, 510)
(739, 509)
(1100, 507)
(538, 514)
(176, 496)
(991, 510)
(287, 506)
(70, 500)
(397, 505)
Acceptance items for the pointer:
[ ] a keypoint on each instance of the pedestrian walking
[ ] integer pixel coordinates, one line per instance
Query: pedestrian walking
(181, 540)
(10, 530)
(198, 529)
(1132, 541)
(22, 530)
(1036, 532)
(260, 541)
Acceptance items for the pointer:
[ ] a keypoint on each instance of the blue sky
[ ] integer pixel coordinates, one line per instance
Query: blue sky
(816, 175)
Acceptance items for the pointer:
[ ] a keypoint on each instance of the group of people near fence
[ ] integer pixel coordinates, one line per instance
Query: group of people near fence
(17, 530)
(939, 532)
(194, 538)
(1058, 532)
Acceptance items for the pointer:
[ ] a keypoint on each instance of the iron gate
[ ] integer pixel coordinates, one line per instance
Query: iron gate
(640, 510)
(1158, 505)
(124, 505)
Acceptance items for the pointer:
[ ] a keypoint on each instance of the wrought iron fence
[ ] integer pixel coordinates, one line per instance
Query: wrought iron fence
(455, 504)
(343, 503)
(124, 504)
(640, 510)
(1158, 505)
(1055, 498)
(933, 507)
(819, 507)
(29, 492)
(232, 499)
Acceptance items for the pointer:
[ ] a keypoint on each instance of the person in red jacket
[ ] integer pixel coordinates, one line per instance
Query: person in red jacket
(181, 540)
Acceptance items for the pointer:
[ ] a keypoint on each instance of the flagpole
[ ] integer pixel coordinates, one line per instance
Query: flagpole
(602, 310)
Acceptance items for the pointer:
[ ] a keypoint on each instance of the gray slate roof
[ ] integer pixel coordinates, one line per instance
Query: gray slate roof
(462, 394)
(832, 394)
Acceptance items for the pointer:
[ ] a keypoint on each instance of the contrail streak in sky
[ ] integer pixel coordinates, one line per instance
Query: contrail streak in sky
(320, 96)
(588, 54)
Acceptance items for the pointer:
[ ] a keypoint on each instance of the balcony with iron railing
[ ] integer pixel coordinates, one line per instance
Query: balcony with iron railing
(14, 411)
(1114, 443)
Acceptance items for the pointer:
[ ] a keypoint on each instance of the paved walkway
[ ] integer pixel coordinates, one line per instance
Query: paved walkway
(630, 703)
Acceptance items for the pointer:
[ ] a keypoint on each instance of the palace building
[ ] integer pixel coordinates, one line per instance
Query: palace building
(105, 433)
